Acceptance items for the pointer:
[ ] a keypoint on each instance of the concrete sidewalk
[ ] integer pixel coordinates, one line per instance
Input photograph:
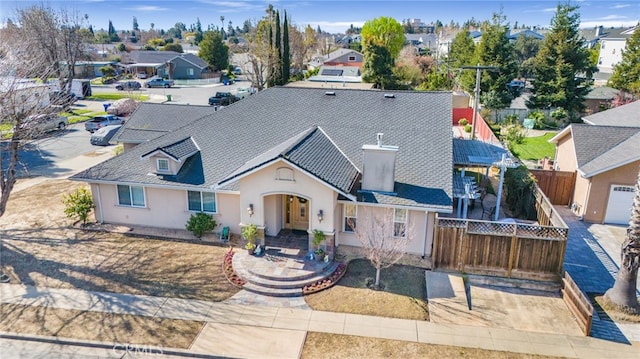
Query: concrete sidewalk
(282, 330)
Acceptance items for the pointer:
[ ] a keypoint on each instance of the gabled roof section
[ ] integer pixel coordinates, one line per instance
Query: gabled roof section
(193, 59)
(314, 152)
(339, 53)
(602, 148)
(320, 156)
(626, 115)
(152, 120)
(149, 57)
(178, 150)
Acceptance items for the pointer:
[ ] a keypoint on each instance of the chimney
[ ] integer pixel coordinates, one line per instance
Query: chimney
(379, 166)
(599, 30)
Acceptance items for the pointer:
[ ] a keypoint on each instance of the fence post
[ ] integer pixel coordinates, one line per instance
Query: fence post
(512, 250)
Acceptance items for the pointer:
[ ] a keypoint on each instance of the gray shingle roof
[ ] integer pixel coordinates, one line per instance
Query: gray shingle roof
(600, 148)
(161, 57)
(152, 120)
(476, 153)
(625, 115)
(418, 122)
(178, 150)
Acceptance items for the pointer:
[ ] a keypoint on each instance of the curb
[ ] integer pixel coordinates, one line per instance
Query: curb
(101, 345)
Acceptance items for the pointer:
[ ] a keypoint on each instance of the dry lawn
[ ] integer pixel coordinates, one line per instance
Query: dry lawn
(329, 346)
(41, 247)
(98, 326)
(616, 314)
(403, 296)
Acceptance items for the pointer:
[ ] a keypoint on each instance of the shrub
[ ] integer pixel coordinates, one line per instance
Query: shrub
(520, 197)
(511, 119)
(463, 122)
(513, 134)
(199, 223)
(538, 118)
(467, 128)
(78, 204)
(249, 232)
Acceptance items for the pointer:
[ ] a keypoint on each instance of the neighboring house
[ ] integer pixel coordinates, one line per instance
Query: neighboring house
(612, 43)
(91, 69)
(290, 158)
(599, 99)
(342, 74)
(604, 153)
(423, 43)
(344, 57)
(167, 64)
(513, 34)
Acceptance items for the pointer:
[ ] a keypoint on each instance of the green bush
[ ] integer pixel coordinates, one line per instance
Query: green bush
(511, 119)
(520, 197)
(78, 204)
(539, 119)
(463, 122)
(467, 128)
(199, 223)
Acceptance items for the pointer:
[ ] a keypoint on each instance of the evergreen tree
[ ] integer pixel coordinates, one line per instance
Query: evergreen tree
(461, 54)
(113, 35)
(526, 49)
(135, 24)
(214, 51)
(286, 58)
(378, 66)
(198, 34)
(626, 74)
(496, 50)
(277, 45)
(562, 68)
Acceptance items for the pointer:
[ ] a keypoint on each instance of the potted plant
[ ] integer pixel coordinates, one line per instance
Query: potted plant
(249, 232)
(318, 238)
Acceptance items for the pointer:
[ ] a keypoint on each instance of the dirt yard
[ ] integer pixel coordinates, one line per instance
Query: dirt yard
(41, 247)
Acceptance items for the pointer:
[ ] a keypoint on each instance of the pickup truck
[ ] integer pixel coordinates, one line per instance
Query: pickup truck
(35, 125)
(98, 122)
(222, 99)
(157, 82)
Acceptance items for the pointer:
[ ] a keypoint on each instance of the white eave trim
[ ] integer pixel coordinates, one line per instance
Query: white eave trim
(608, 168)
(559, 135)
(150, 185)
(411, 208)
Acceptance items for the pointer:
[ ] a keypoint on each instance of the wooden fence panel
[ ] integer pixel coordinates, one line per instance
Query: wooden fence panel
(579, 305)
(557, 185)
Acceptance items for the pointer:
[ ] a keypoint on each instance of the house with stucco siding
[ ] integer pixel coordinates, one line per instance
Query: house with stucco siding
(605, 154)
(286, 158)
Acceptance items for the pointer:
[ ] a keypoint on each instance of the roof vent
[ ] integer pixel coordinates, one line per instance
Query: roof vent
(389, 95)
(330, 93)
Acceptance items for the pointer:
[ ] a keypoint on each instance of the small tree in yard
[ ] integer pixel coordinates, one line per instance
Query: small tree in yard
(78, 204)
(623, 293)
(200, 223)
(383, 239)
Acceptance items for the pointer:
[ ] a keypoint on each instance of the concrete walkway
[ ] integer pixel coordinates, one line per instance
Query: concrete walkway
(280, 332)
(594, 271)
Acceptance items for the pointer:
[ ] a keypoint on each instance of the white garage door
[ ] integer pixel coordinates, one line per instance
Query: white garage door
(619, 206)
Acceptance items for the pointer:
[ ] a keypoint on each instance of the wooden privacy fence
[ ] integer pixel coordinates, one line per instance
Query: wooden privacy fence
(510, 250)
(557, 185)
(578, 303)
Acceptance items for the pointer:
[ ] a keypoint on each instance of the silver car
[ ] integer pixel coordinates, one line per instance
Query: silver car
(104, 135)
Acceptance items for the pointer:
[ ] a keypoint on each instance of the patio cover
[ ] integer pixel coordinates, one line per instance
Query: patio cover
(474, 153)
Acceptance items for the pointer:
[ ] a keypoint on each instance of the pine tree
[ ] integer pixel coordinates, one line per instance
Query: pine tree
(135, 24)
(562, 68)
(277, 45)
(286, 59)
(626, 74)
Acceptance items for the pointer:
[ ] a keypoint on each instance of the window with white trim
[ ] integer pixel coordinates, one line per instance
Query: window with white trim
(351, 58)
(350, 217)
(400, 222)
(163, 165)
(190, 71)
(201, 201)
(131, 196)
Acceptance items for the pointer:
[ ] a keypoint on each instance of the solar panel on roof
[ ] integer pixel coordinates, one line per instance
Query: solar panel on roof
(331, 72)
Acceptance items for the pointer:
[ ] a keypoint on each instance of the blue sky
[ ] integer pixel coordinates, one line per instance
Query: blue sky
(333, 16)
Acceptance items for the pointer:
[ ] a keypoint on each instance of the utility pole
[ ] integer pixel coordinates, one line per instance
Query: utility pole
(476, 95)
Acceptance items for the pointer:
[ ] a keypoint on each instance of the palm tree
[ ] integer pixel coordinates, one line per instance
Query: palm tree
(623, 292)
(222, 28)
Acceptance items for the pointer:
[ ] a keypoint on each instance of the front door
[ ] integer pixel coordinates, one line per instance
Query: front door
(296, 213)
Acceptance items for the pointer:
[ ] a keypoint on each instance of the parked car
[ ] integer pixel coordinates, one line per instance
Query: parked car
(98, 122)
(104, 135)
(62, 99)
(142, 75)
(243, 92)
(222, 99)
(36, 124)
(128, 86)
(158, 82)
(237, 71)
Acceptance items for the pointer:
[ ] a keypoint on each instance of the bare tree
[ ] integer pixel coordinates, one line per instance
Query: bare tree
(383, 237)
(623, 293)
(260, 54)
(20, 100)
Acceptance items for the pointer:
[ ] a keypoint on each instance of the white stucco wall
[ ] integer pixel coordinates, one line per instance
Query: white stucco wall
(610, 54)
(165, 208)
(261, 187)
(420, 227)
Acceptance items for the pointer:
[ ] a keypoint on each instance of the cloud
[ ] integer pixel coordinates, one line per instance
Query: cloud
(545, 10)
(620, 6)
(608, 18)
(235, 6)
(147, 8)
